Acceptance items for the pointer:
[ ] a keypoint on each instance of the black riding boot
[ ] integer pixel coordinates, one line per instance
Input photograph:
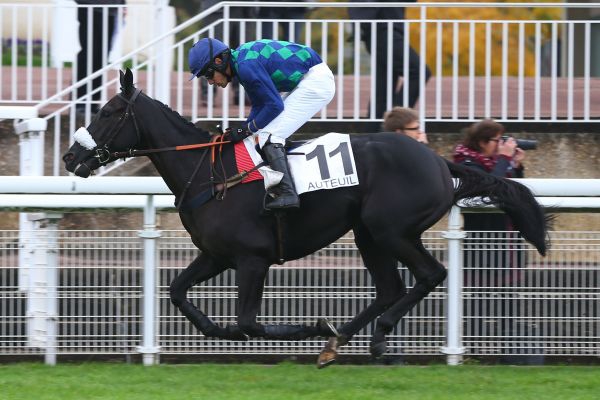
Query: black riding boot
(286, 196)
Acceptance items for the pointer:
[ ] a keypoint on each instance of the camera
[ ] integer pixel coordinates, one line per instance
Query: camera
(524, 144)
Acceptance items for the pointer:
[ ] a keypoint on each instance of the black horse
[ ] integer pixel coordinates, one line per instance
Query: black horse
(404, 189)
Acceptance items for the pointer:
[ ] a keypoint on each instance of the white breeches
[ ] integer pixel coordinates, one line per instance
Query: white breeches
(314, 92)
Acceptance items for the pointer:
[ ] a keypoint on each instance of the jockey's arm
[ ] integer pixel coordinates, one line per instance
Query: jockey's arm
(266, 100)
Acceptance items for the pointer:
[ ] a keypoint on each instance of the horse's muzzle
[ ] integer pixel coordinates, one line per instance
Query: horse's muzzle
(81, 169)
(69, 160)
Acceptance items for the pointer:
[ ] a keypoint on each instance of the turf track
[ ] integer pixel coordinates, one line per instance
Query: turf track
(292, 381)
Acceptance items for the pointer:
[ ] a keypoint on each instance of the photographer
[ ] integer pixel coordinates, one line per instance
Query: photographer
(485, 148)
(493, 260)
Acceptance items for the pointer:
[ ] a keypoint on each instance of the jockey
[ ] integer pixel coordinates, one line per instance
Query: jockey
(266, 68)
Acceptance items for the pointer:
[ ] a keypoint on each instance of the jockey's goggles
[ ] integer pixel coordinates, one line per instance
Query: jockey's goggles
(208, 73)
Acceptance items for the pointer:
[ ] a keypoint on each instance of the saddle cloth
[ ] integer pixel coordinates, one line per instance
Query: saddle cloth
(326, 162)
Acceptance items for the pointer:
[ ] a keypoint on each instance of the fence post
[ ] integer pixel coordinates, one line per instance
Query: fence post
(454, 322)
(42, 292)
(44, 282)
(31, 163)
(149, 347)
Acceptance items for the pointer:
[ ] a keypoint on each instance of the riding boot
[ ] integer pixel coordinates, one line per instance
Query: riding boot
(285, 193)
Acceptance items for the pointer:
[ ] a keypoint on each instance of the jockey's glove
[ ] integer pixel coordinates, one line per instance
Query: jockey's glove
(237, 135)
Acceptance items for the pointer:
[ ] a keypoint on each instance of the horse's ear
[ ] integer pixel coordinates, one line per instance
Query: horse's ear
(126, 80)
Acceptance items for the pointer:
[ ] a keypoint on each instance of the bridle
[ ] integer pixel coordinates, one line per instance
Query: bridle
(103, 154)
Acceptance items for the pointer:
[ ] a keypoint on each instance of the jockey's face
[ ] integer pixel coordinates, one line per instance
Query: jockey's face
(219, 78)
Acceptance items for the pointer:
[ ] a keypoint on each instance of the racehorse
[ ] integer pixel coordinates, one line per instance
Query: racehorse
(404, 188)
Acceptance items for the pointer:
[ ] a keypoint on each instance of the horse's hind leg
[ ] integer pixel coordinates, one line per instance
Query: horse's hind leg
(428, 272)
(201, 269)
(389, 286)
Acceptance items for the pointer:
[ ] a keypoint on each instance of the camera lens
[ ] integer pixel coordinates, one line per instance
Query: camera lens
(526, 144)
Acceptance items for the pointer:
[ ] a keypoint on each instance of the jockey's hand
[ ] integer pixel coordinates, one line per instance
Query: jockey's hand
(236, 135)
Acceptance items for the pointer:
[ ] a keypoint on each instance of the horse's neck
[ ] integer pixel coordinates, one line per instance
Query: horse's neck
(175, 167)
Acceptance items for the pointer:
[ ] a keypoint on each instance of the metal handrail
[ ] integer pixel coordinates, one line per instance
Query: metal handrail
(227, 4)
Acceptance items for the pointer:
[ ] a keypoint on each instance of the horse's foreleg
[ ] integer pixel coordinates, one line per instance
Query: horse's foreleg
(300, 332)
(201, 269)
(250, 275)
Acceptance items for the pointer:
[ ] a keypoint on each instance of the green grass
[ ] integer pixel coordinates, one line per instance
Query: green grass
(7, 60)
(291, 381)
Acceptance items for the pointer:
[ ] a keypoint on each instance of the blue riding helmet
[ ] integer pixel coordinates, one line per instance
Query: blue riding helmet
(201, 57)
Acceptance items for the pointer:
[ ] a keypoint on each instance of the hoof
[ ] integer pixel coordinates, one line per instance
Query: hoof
(378, 349)
(326, 328)
(328, 354)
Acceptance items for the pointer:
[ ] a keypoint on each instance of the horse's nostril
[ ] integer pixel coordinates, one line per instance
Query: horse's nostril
(68, 157)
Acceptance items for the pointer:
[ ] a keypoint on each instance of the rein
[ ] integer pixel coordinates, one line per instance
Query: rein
(138, 153)
(217, 190)
(103, 155)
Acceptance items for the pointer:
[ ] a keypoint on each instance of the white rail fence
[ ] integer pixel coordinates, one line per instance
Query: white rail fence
(106, 292)
(539, 62)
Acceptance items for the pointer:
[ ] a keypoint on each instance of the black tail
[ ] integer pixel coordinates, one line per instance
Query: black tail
(515, 199)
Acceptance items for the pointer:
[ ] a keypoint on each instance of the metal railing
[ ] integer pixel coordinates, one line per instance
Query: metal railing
(517, 65)
(101, 279)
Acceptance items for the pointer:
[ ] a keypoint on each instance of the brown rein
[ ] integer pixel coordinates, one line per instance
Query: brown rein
(137, 153)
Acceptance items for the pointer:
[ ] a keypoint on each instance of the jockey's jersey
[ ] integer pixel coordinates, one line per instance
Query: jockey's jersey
(265, 68)
(284, 63)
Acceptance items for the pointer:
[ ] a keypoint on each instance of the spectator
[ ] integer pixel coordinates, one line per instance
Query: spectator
(381, 63)
(95, 52)
(485, 149)
(492, 258)
(404, 121)
(292, 13)
(266, 68)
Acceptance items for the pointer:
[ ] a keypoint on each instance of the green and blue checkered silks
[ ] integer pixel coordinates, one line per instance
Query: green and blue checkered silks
(285, 62)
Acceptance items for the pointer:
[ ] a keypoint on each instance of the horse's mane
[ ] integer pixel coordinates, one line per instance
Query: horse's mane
(176, 118)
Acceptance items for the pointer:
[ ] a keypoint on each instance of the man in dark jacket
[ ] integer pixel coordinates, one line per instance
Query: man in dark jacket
(91, 40)
(410, 82)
